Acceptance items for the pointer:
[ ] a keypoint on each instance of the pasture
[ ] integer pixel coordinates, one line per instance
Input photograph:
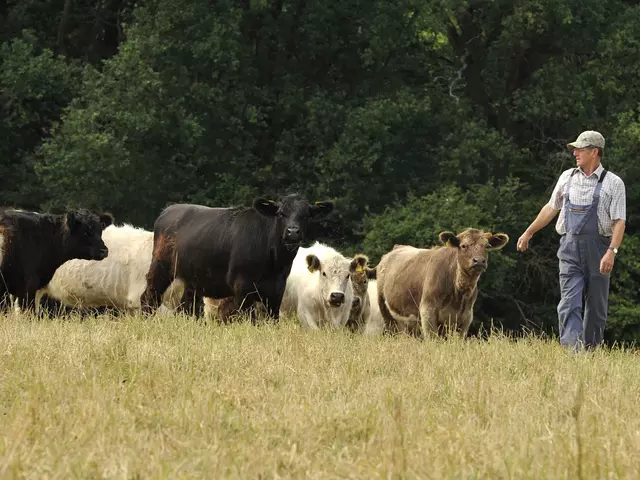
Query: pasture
(113, 397)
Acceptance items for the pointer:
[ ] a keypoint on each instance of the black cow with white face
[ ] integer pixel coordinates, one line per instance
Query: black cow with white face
(33, 245)
(240, 252)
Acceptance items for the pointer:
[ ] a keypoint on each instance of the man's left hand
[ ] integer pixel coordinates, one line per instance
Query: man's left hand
(606, 264)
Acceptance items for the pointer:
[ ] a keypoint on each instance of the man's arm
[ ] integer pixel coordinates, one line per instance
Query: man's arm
(618, 212)
(542, 220)
(551, 208)
(606, 262)
(618, 233)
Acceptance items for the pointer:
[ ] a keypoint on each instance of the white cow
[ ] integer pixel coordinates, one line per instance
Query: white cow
(374, 323)
(117, 281)
(319, 287)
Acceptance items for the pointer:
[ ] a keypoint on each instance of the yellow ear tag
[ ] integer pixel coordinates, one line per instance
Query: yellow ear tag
(359, 268)
(448, 244)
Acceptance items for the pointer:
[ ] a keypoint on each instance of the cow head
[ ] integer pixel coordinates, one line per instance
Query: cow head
(334, 278)
(360, 279)
(84, 234)
(293, 214)
(473, 247)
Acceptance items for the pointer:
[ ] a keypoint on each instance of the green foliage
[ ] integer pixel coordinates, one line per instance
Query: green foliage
(83, 29)
(35, 85)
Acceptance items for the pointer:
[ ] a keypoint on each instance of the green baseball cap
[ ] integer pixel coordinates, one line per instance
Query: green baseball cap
(588, 138)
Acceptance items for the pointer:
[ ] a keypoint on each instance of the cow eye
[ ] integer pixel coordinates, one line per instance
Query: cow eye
(463, 245)
(280, 214)
(348, 275)
(324, 274)
(87, 233)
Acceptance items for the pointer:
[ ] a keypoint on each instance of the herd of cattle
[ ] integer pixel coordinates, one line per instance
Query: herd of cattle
(224, 261)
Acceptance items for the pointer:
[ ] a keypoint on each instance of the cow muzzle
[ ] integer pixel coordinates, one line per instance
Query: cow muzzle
(479, 263)
(292, 235)
(336, 299)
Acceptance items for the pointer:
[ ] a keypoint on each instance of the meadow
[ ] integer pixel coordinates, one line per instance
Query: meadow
(129, 397)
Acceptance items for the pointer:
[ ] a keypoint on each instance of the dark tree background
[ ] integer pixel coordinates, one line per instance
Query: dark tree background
(415, 116)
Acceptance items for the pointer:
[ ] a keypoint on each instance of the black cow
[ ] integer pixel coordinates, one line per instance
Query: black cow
(33, 246)
(240, 252)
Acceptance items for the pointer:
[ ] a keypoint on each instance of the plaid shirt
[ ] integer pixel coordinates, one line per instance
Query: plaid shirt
(612, 205)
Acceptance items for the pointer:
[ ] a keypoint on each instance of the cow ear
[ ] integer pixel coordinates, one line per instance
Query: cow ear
(359, 263)
(321, 208)
(372, 273)
(268, 208)
(449, 239)
(71, 220)
(106, 219)
(313, 263)
(498, 240)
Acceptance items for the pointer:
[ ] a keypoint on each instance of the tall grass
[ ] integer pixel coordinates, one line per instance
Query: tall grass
(173, 398)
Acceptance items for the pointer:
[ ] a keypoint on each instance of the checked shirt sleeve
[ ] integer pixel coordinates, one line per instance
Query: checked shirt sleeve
(555, 201)
(618, 208)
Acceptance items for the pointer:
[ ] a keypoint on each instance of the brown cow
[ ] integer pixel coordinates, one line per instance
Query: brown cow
(434, 289)
(361, 304)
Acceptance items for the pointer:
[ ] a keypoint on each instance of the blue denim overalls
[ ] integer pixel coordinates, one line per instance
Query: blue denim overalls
(580, 252)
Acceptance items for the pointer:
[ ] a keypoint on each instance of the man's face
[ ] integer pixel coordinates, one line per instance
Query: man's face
(585, 156)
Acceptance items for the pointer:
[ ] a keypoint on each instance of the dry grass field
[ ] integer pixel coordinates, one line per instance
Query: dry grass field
(173, 398)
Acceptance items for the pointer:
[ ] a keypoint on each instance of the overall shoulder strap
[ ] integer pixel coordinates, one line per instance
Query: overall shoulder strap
(604, 173)
(567, 186)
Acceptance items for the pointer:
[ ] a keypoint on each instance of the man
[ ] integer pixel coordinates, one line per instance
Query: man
(592, 206)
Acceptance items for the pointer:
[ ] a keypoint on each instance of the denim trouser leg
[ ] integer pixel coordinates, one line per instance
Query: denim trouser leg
(571, 291)
(597, 292)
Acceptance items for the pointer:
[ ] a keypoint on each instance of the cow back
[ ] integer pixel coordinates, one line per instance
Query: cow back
(407, 274)
(206, 243)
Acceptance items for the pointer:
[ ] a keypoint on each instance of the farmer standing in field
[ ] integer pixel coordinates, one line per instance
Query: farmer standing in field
(592, 206)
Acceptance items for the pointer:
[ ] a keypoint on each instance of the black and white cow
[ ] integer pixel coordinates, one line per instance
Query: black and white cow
(240, 252)
(33, 245)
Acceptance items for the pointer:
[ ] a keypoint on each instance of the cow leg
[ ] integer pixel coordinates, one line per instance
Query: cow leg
(273, 302)
(244, 298)
(236, 305)
(38, 301)
(191, 302)
(428, 320)
(26, 293)
(307, 319)
(226, 308)
(210, 307)
(5, 299)
(27, 301)
(272, 305)
(465, 323)
(389, 324)
(158, 280)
